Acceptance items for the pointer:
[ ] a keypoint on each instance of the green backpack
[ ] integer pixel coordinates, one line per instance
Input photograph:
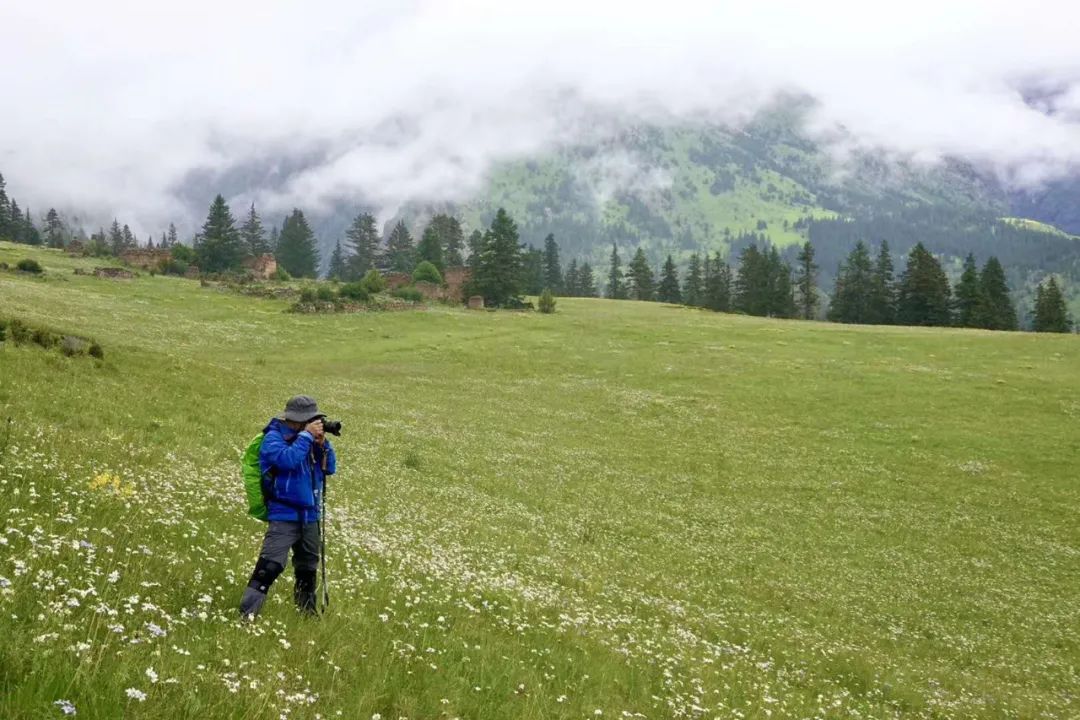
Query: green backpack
(253, 480)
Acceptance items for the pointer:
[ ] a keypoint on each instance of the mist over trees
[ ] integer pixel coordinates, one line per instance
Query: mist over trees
(763, 281)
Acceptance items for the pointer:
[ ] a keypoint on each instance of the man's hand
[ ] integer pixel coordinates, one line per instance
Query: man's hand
(316, 429)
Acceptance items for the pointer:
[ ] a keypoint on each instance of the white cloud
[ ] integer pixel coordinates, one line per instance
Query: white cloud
(111, 104)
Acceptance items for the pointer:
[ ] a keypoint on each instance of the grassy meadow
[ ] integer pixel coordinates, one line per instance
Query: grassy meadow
(619, 510)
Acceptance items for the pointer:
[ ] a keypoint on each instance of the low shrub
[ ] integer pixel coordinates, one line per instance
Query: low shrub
(408, 292)
(21, 333)
(307, 295)
(546, 303)
(373, 282)
(281, 274)
(325, 293)
(354, 291)
(427, 272)
(29, 265)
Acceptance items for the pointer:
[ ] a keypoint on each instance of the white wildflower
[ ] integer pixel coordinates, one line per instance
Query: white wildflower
(136, 694)
(66, 706)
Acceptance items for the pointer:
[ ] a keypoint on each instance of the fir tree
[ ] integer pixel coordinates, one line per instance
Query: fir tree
(363, 239)
(296, 248)
(29, 232)
(15, 226)
(854, 288)
(130, 243)
(532, 271)
(781, 292)
(476, 249)
(173, 240)
(572, 284)
(499, 266)
(586, 282)
(553, 277)
(640, 281)
(995, 310)
(400, 250)
(806, 282)
(616, 290)
(5, 212)
(431, 248)
(338, 267)
(668, 291)
(1051, 314)
(752, 291)
(116, 238)
(883, 289)
(693, 285)
(252, 234)
(924, 296)
(968, 294)
(219, 247)
(54, 229)
(718, 285)
(451, 237)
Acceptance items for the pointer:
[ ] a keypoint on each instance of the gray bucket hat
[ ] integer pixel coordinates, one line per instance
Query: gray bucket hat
(301, 409)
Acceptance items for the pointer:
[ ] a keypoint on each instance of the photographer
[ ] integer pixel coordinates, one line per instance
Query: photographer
(295, 458)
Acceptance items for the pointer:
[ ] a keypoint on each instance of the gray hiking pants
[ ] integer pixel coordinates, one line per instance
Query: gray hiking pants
(302, 538)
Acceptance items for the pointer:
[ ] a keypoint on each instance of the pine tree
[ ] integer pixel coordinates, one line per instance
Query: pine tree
(924, 296)
(532, 271)
(1051, 314)
(172, 238)
(854, 288)
(476, 249)
(296, 249)
(668, 291)
(499, 266)
(6, 230)
(363, 242)
(883, 289)
(130, 243)
(586, 282)
(219, 247)
(640, 281)
(54, 229)
(780, 300)
(116, 238)
(253, 236)
(572, 285)
(431, 248)
(806, 282)
(15, 227)
(30, 233)
(553, 277)
(400, 250)
(752, 291)
(338, 267)
(718, 284)
(693, 285)
(968, 295)
(616, 289)
(995, 310)
(451, 237)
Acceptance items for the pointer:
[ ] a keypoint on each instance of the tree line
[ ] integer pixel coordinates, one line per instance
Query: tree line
(503, 270)
(866, 290)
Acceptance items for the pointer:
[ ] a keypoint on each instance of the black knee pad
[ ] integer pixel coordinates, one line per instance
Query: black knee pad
(305, 580)
(266, 572)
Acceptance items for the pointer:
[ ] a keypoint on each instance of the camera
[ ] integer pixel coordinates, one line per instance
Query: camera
(332, 426)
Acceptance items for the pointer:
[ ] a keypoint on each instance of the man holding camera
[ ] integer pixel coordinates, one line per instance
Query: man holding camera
(295, 458)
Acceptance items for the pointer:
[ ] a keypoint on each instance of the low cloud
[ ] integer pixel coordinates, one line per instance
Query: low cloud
(114, 107)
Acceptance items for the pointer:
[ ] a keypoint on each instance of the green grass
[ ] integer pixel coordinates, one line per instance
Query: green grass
(623, 507)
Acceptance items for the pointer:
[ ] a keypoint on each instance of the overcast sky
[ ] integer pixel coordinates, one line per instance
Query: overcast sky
(109, 106)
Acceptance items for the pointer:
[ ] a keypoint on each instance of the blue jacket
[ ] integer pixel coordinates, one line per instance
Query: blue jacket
(295, 465)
